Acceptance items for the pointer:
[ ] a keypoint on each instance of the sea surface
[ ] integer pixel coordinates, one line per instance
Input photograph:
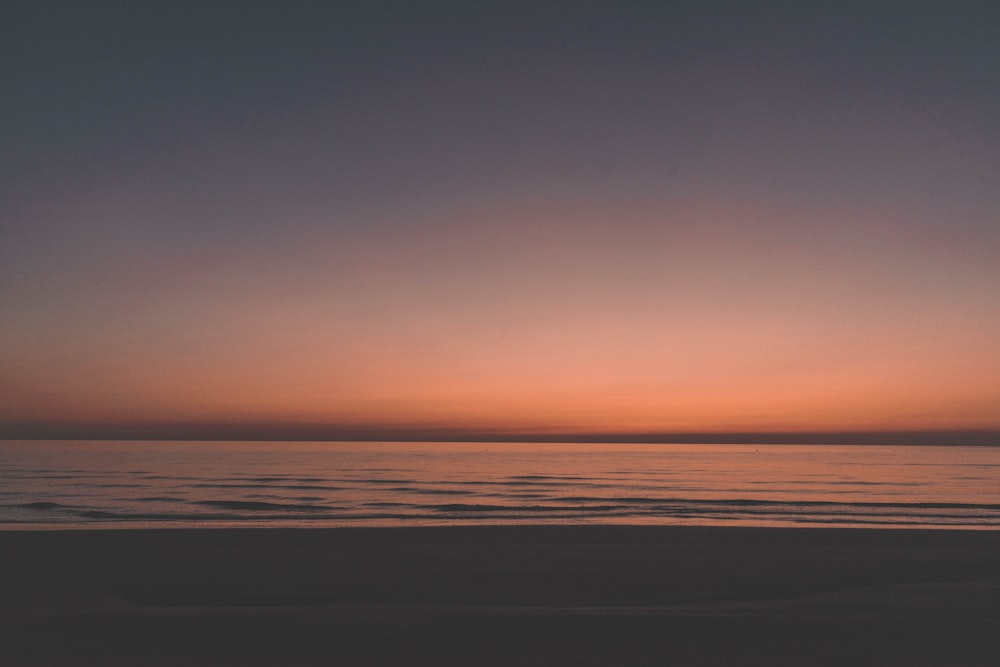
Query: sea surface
(120, 484)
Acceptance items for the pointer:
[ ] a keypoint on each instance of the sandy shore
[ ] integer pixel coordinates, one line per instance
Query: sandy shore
(500, 596)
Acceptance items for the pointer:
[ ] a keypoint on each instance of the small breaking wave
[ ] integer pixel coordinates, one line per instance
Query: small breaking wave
(261, 506)
(42, 505)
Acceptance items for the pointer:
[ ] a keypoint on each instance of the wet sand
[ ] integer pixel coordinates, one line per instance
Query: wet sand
(599, 595)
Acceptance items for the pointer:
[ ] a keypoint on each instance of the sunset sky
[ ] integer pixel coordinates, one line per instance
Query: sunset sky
(499, 217)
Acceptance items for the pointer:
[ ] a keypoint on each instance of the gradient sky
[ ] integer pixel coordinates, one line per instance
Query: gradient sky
(507, 217)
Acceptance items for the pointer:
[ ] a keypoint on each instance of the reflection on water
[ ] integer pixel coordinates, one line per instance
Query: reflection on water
(116, 484)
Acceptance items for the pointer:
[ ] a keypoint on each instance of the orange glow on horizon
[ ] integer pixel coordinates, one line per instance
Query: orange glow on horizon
(562, 325)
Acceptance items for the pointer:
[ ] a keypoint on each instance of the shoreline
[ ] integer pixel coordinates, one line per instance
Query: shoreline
(502, 595)
(268, 525)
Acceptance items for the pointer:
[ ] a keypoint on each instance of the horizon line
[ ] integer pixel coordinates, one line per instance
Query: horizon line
(216, 431)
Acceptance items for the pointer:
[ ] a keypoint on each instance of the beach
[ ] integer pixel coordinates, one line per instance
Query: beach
(501, 595)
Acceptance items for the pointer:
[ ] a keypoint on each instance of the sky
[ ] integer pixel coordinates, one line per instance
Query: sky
(499, 218)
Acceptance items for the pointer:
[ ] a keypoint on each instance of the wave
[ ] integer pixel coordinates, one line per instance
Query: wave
(474, 507)
(271, 479)
(257, 485)
(559, 477)
(167, 517)
(833, 503)
(238, 511)
(260, 506)
(41, 505)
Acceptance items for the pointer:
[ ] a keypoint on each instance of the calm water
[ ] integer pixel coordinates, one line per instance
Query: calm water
(121, 484)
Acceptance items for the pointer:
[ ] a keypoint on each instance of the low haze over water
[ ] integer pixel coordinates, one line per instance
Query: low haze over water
(50, 484)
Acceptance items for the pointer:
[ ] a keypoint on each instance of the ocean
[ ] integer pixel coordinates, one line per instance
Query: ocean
(122, 484)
